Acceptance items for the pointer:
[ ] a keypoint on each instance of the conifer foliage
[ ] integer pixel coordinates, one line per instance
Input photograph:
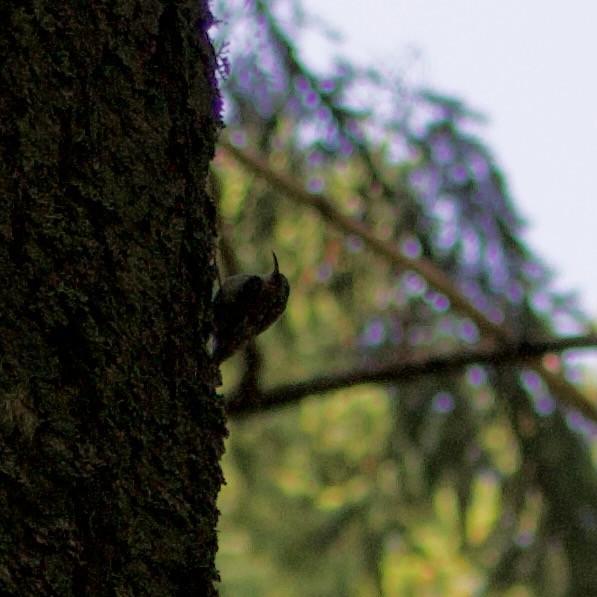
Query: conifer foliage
(394, 225)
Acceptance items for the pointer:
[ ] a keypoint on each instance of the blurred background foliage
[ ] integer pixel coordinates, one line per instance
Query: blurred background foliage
(475, 482)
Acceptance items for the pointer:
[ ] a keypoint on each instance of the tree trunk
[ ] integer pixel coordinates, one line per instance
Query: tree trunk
(110, 427)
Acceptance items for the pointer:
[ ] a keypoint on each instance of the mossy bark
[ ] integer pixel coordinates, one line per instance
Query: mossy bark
(110, 427)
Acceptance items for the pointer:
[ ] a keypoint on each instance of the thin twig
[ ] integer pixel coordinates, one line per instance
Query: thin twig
(401, 371)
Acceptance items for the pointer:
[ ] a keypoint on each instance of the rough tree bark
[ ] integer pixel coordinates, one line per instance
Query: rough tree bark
(110, 427)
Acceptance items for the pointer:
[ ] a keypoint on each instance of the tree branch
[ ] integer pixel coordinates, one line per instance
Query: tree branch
(558, 385)
(400, 371)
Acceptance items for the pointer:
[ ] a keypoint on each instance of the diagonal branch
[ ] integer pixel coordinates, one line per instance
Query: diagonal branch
(400, 371)
(387, 249)
(560, 387)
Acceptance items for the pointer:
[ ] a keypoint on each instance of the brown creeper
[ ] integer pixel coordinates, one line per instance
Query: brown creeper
(246, 305)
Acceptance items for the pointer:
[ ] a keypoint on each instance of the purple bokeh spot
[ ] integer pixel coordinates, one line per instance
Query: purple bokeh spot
(471, 246)
(375, 333)
(331, 133)
(470, 289)
(476, 376)
(515, 292)
(327, 85)
(544, 405)
(414, 284)
(411, 247)
(315, 158)
(573, 374)
(589, 429)
(524, 539)
(493, 254)
(575, 421)
(566, 324)
(324, 114)
(302, 84)
(346, 146)
(343, 70)
(469, 332)
(540, 301)
(315, 184)
(441, 303)
(425, 181)
(354, 244)
(447, 236)
(311, 99)
(239, 139)
(398, 151)
(530, 381)
(443, 402)
(496, 315)
(442, 150)
(245, 78)
(324, 272)
(499, 277)
(446, 325)
(355, 130)
(478, 166)
(458, 173)
(531, 270)
(481, 303)
(293, 106)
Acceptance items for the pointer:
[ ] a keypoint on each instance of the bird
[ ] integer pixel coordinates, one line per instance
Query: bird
(244, 307)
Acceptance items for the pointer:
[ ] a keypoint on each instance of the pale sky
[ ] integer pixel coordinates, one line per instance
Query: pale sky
(531, 67)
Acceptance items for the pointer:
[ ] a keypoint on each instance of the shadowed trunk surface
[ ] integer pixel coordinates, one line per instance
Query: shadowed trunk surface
(110, 428)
